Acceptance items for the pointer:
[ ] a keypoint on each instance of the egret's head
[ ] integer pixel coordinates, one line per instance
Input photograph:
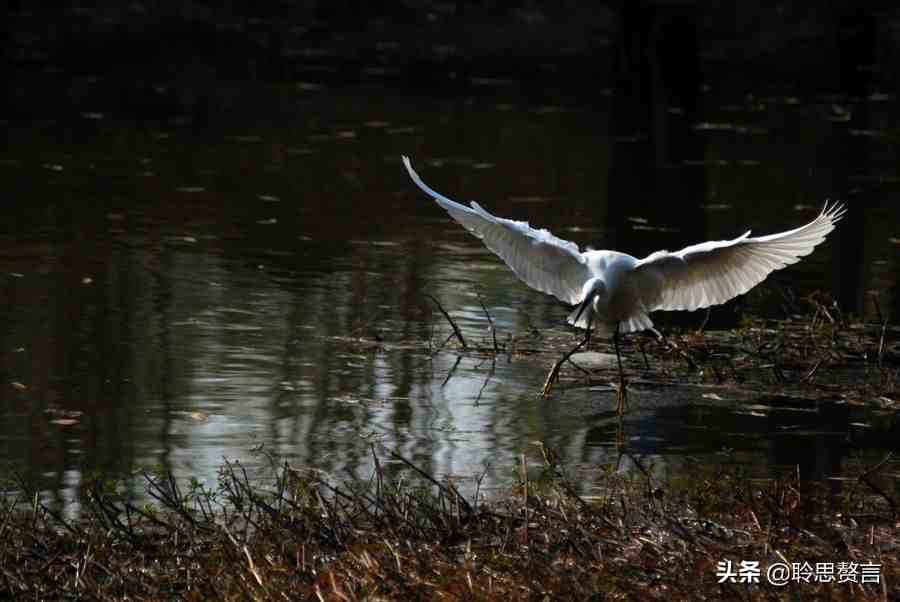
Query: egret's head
(594, 289)
(593, 294)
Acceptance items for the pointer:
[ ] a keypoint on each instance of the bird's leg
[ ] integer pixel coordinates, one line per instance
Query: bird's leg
(553, 375)
(621, 398)
(620, 434)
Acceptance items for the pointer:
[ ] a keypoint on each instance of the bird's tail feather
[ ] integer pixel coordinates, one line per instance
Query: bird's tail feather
(635, 323)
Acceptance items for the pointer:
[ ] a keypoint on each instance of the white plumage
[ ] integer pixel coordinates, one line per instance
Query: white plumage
(611, 288)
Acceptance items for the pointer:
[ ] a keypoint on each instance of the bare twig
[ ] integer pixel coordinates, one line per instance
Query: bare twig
(456, 331)
(448, 489)
(485, 383)
(812, 371)
(491, 323)
(525, 498)
(865, 478)
(451, 371)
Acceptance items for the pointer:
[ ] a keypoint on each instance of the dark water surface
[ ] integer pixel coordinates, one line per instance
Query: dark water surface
(180, 290)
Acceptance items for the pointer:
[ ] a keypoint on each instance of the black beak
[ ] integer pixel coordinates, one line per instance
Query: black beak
(587, 301)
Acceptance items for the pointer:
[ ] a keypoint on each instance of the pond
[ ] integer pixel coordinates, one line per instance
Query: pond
(251, 274)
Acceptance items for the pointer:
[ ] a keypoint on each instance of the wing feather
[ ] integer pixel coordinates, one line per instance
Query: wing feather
(542, 261)
(713, 272)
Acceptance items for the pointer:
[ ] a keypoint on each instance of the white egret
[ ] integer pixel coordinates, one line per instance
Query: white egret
(614, 292)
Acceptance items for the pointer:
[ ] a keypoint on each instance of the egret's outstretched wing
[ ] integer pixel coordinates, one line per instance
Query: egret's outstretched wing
(542, 261)
(714, 272)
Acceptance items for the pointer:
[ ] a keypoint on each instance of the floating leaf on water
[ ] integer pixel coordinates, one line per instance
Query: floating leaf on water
(865, 133)
(712, 396)
(839, 113)
(375, 243)
(241, 328)
(710, 126)
(753, 413)
(237, 310)
(800, 432)
(185, 239)
(267, 222)
(770, 408)
(650, 228)
(18, 386)
(16, 274)
(585, 229)
(64, 421)
(198, 416)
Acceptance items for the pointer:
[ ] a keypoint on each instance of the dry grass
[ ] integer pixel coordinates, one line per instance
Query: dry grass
(302, 538)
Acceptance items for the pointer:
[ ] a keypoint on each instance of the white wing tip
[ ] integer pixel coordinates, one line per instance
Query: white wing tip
(833, 212)
(415, 177)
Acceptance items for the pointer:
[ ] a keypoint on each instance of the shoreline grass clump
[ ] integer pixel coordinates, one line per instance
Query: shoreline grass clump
(410, 536)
